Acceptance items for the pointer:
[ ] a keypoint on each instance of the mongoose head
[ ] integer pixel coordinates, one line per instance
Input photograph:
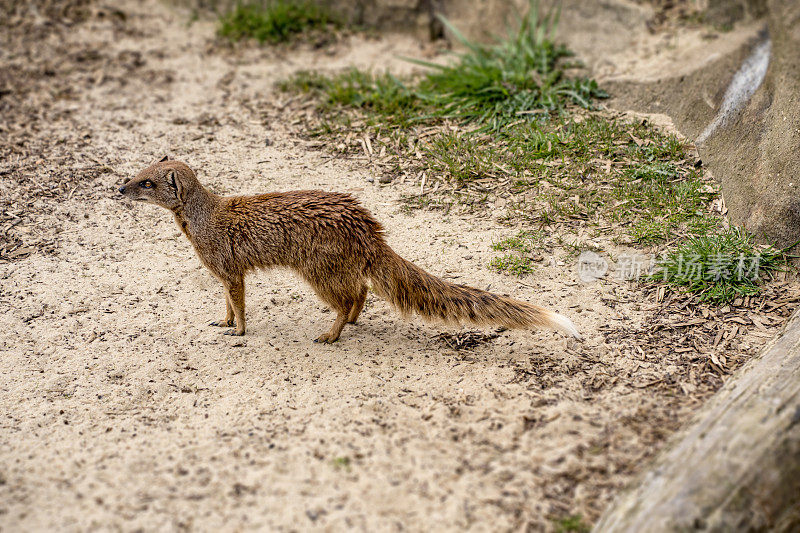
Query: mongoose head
(166, 183)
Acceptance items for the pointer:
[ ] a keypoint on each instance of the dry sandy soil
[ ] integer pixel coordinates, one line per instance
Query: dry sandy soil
(121, 409)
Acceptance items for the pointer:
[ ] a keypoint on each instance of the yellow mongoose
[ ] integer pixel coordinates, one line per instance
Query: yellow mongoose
(333, 242)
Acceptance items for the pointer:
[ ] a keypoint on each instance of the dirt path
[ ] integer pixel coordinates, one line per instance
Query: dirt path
(122, 409)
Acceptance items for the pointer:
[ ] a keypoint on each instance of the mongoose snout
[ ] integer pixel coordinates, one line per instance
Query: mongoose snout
(335, 244)
(124, 182)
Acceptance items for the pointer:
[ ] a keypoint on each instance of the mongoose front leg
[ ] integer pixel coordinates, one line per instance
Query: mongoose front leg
(336, 330)
(235, 295)
(228, 320)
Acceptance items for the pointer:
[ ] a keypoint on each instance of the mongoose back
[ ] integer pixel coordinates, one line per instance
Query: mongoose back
(330, 240)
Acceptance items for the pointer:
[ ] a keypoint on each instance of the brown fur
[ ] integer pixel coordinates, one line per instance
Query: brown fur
(329, 239)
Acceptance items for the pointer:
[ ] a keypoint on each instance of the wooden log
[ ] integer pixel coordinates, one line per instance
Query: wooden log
(736, 467)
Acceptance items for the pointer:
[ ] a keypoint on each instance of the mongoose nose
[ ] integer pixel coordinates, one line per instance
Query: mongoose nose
(122, 190)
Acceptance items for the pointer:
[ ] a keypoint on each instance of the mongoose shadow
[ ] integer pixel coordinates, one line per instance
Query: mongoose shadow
(330, 240)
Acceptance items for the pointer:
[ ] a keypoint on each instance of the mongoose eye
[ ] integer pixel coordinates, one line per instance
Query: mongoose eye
(147, 184)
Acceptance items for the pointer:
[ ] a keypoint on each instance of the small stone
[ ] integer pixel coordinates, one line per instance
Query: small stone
(385, 179)
(370, 180)
(267, 141)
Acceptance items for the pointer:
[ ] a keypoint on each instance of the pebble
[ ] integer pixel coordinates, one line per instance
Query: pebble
(370, 180)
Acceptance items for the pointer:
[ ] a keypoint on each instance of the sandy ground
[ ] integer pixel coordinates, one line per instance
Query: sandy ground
(121, 409)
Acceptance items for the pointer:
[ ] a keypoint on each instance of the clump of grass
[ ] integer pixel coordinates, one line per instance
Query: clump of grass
(524, 243)
(341, 462)
(521, 78)
(598, 169)
(593, 170)
(586, 167)
(275, 22)
(664, 197)
(721, 267)
(383, 95)
(461, 158)
(517, 77)
(512, 264)
(572, 524)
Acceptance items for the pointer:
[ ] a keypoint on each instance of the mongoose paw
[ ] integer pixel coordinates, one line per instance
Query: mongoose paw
(233, 333)
(325, 339)
(223, 323)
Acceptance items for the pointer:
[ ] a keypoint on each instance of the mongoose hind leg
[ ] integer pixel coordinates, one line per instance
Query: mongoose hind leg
(228, 320)
(341, 295)
(234, 291)
(357, 306)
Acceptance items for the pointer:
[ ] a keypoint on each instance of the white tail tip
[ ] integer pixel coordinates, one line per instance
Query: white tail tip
(562, 323)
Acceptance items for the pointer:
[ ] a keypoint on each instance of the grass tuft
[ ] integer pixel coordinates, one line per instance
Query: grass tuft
(341, 462)
(514, 79)
(525, 241)
(461, 158)
(665, 197)
(276, 22)
(382, 95)
(512, 264)
(520, 79)
(721, 267)
(572, 524)
(522, 245)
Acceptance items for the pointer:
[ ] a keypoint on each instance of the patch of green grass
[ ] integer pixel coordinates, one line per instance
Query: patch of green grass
(588, 170)
(627, 172)
(572, 524)
(513, 264)
(304, 81)
(275, 22)
(520, 262)
(461, 157)
(720, 267)
(514, 79)
(662, 198)
(521, 78)
(341, 462)
(594, 169)
(525, 241)
(382, 96)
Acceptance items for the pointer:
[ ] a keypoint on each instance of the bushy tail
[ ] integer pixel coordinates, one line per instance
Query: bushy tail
(411, 289)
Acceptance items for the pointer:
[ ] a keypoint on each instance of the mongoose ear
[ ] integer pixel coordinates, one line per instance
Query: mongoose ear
(174, 181)
(165, 158)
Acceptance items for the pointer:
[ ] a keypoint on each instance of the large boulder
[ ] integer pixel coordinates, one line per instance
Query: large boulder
(758, 156)
(737, 98)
